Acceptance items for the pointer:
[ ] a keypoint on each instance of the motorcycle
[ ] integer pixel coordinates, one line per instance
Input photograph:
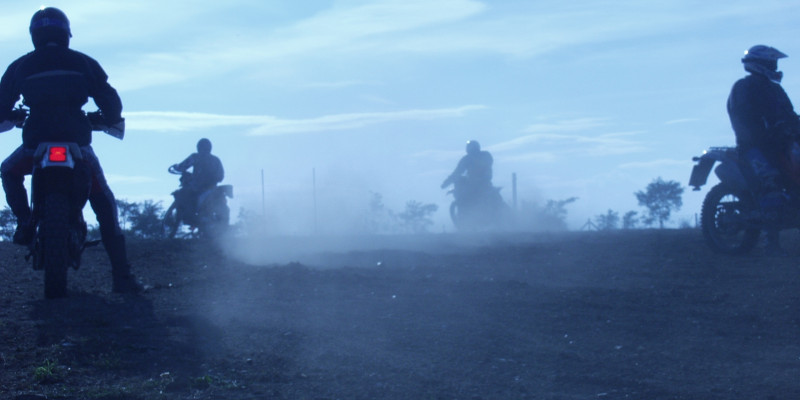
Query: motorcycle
(477, 209)
(211, 216)
(732, 217)
(60, 186)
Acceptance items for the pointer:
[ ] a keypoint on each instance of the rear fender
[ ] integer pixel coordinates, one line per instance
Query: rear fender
(73, 153)
(227, 190)
(60, 171)
(705, 163)
(730, 174)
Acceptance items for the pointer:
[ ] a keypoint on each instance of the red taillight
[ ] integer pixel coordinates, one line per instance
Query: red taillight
(57, 154)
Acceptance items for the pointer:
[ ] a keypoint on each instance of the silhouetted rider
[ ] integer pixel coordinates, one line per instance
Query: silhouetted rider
(765, 124)
(55, 82)
(474, 170)
(206, 173)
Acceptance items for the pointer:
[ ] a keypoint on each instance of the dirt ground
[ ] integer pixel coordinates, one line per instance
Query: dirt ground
(642, 314)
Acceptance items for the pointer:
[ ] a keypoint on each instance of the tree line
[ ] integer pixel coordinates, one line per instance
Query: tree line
(660, 198)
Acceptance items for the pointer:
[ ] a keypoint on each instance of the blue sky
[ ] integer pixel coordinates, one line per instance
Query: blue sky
(592, 99)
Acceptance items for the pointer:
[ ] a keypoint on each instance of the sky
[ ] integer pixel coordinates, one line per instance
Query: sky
(329, 102)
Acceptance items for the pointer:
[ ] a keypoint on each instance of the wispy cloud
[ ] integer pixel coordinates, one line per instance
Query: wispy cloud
(122, 179)
(337, 84)
(656, 164)
(270, 125)
(681, 121)
(359, 29)
(439, 28)
(580, 136)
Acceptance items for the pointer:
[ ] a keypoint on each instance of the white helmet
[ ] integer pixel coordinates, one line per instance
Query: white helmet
(763, 60)
(473, 147)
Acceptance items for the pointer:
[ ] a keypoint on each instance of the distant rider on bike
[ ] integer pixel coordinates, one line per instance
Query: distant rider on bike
(206, 173)
(474, 171)
(55, 82)
(765, 124)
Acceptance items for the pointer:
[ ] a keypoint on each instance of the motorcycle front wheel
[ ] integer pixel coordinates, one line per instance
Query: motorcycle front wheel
(724, 220)
(170, 222)
(54, 244)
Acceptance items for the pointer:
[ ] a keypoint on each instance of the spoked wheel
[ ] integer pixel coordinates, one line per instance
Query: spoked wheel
(170, 223)
(727, 220)
(456, 216)
(215, 222)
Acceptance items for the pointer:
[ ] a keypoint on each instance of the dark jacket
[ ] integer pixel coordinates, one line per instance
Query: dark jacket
(55, 82)
(476, 168)
(761, 114)
(207, 170)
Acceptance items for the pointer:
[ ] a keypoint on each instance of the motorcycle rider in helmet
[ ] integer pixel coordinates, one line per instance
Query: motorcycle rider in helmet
(55, 82)
(766, 125)
(206, 172)
(473, 171)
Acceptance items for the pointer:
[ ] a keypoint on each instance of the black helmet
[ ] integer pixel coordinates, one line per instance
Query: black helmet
(50, 24)
(763, 60)
(473, 147)
(204, 146)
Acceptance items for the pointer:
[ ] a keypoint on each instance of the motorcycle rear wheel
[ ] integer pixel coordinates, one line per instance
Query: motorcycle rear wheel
(724, 220)
(215, 222)
(54, 244)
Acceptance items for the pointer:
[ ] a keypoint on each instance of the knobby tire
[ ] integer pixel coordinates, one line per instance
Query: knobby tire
(54, 240)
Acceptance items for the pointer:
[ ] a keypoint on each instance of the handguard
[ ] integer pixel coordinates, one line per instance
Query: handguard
(99, 123)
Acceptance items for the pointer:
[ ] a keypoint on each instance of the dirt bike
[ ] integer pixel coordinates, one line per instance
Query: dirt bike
(477, 209)
(60, 186)
(732, 217)
(211, 216)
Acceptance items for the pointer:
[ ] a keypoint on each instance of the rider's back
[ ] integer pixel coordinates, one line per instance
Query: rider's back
(56, 82)
(757, 107)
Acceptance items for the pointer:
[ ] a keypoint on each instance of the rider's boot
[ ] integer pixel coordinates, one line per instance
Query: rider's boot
(24, 233)
(123, 281)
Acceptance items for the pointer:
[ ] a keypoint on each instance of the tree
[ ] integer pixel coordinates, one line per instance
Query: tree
(551, 217)
(146, 220)
(661, 198)
(126, 211)
(8, 224)
(629, 220)
(607, 221)
(379, 219)
(416, 216)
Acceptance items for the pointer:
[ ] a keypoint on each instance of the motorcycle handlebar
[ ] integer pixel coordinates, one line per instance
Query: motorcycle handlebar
(18, 116)
(96, 119)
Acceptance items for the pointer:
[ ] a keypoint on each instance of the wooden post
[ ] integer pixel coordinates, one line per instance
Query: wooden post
(514, 190)
(263, 201)
(314, 189)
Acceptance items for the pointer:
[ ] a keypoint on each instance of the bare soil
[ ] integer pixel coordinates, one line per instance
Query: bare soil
(642, 314)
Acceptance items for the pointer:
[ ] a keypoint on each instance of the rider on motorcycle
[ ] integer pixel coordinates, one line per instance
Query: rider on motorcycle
(55, 82)
(206, 173)
(473, 172)
(765, 124)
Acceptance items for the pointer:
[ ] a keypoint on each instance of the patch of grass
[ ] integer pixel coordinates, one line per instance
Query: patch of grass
(48, 372)
(202, 382)
(107, 361)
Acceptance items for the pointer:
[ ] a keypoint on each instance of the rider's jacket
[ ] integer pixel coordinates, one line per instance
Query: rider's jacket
(476, 168)
(761, 114)
(55, 82)
(207, 170)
